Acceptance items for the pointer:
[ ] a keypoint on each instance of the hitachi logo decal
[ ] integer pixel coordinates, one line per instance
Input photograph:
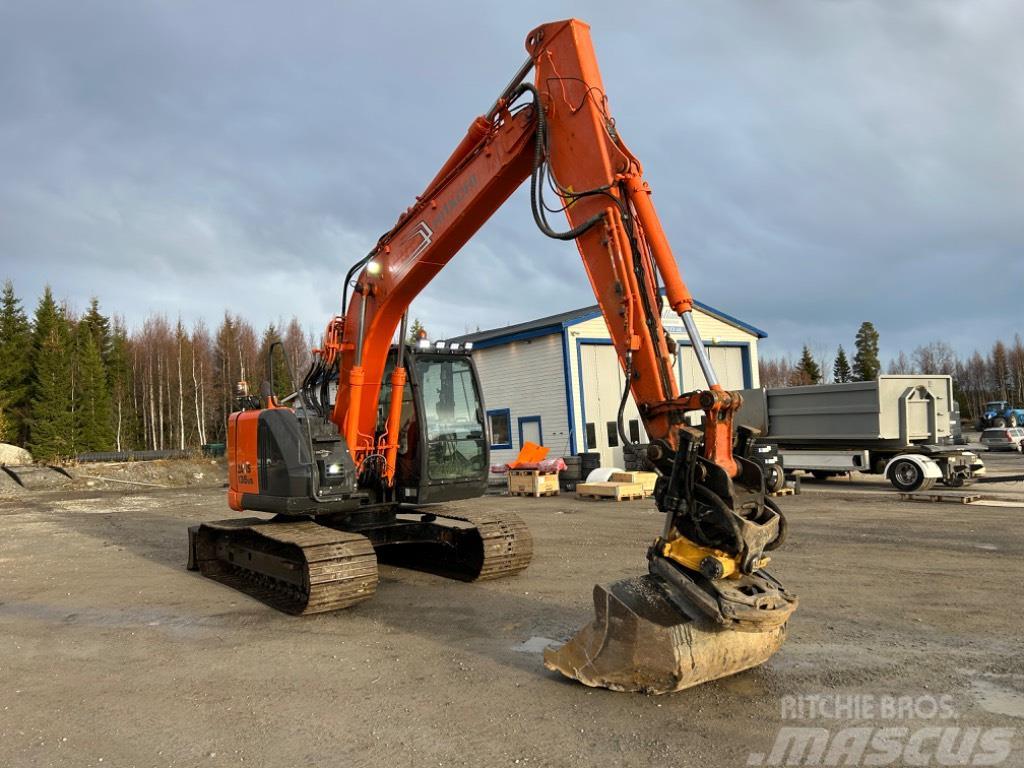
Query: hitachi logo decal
(425, 235)
(456, 201)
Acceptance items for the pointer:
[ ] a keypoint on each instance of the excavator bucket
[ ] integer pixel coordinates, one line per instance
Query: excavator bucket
(641, 641)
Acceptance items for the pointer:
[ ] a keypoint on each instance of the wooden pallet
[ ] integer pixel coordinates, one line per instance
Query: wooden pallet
(610, 491)
(530, 482)
(783, 492)
(953, 498)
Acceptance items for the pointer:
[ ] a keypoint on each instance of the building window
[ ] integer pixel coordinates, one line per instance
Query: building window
(634, 431)
(499, 423)
(591, 436)
(613, 434)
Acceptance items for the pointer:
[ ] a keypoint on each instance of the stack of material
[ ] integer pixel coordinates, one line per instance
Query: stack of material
(532, 473)
(635, 457)
(610, 491)
(645, 479)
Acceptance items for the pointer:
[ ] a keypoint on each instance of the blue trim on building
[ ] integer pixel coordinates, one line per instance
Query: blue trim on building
(707, 308)
(508, 414)
(533, 333)
(530, 420)
(730, 319)
(579, 377)
(567, 379)
(555, 323)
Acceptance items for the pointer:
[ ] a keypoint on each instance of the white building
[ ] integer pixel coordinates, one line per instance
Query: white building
(557, 381)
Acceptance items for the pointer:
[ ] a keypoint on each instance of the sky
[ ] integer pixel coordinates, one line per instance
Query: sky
(815, 164)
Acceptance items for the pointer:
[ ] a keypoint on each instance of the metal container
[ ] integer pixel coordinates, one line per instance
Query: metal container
(892, 411)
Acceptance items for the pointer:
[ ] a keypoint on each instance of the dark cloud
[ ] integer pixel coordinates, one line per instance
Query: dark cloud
(815, 164)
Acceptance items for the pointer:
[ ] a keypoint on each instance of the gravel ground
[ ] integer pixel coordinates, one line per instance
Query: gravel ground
(114, 655)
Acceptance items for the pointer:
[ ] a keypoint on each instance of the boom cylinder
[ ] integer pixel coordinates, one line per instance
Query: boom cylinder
(698, 348)
(394, 425)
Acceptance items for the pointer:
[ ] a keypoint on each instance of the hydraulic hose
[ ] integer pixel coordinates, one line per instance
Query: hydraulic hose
(713, 500)
(536, 176)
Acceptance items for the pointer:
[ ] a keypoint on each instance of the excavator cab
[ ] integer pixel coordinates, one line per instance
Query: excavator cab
(292, 461)
(443, 452)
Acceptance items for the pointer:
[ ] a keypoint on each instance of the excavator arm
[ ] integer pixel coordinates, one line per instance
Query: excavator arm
(557, 131)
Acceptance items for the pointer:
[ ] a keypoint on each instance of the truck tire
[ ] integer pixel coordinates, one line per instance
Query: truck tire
(907, 476)
(998, 421)
(774, 478)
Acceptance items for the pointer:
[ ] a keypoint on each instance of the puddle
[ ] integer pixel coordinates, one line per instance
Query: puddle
(998, 699)
(535, 644)
(85, 506)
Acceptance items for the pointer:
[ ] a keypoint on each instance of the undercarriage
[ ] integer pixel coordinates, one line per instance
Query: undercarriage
(314, 565)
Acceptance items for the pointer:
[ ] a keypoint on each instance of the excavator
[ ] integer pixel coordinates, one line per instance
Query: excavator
(361, 465)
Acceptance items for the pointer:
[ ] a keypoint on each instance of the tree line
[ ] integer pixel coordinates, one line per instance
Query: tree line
(77, 383)
(997, 374)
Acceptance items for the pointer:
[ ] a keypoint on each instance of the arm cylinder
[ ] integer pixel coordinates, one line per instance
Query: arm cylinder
(678, 294)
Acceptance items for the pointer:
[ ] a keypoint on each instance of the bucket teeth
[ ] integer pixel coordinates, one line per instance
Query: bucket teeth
(641, 641)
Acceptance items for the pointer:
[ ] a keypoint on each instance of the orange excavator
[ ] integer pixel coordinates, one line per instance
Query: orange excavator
(360, 465)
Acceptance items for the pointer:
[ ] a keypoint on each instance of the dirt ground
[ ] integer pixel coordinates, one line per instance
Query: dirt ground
(113, 654)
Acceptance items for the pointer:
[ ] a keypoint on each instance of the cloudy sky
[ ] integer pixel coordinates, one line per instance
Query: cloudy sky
(815, 163)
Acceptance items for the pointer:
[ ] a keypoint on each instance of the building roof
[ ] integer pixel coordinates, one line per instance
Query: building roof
(542, 326)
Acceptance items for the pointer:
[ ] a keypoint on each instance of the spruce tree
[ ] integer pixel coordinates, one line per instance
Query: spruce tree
(91, 396)
(51, 423)
(866, 365)
(807, 370)
(99, 326)
(15, 366)
(283, 385)
(416, 331)
(841, 372)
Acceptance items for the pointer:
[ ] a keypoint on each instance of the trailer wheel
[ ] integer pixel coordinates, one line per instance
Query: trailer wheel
(774, 478)
(906, 476)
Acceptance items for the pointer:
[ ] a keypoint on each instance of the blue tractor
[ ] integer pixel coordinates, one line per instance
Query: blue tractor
(999, 413)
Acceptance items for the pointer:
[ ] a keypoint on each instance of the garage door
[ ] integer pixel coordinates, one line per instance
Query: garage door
(727, 362)
(603, 381)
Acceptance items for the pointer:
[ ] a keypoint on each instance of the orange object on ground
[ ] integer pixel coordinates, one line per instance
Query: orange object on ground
(530, 454)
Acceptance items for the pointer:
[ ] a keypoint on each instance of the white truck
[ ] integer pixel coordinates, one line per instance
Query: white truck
(896, 426)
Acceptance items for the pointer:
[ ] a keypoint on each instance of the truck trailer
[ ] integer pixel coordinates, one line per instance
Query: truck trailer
(897, 426)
